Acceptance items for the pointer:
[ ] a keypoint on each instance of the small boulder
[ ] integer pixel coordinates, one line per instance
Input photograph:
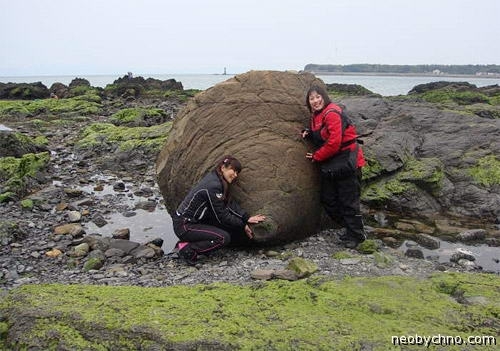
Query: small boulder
(303, 268)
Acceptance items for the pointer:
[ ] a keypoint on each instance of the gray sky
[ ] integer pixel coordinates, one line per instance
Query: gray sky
(68, 37)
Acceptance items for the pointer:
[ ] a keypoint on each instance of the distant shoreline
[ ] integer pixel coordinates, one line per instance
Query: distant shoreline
(321, 73)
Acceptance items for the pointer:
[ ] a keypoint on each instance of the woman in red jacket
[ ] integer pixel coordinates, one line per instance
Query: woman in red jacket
(339, 195)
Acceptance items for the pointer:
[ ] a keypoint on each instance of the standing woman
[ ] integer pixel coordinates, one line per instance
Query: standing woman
(339, 195)
(207, 217)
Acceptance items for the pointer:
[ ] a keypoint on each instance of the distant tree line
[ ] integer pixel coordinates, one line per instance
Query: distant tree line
(403, 69)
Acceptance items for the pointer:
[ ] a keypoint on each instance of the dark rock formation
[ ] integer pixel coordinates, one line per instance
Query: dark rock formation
(16, 145)
(76, 82)
(424, 160)
(422, 88)
(349, 89)
(24, 91)
(257, 117)
(137, 86)
(59, 89)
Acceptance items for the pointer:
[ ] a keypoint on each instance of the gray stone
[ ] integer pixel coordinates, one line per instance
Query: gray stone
(262, 274)
(80, 250)
(122, 233)
(114, 252)
(350, 261)
(414, 252)
(462, 254)
(143, 251)
(472, 235)
(285, 274)
(427, 241)
(74, 216)
(124, 245)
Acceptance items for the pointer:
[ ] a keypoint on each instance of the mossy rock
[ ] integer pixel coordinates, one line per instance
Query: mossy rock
(302, 267)
(84, 105)
(19, 175)
(93, 263)
(181, 95)
(340, 255)
(372, 169)
(313, 314)
(25, 91)
(425, 173)
(7, 196)
(461, 93)
(121, 138)
(16, 144)
(349, 89)
(139, 116)
(381, 191)
(487, 171)
(383, 260)
(27, 204)
(368, 247)
(459, 97)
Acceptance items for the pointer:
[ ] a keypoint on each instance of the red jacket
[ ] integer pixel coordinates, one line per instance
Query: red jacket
(331, 133)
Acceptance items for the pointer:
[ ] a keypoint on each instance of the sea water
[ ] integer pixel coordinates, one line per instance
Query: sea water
(383, 85)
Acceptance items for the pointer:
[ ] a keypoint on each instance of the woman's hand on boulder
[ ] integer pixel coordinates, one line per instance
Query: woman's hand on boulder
(256, 219)
(249, 231)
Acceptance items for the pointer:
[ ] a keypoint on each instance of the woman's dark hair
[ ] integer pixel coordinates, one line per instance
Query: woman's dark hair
(231, 162)
(321, 91)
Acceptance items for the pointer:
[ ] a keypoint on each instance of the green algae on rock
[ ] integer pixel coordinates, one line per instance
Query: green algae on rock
(425, 173)
(83, 105)
(124, 138)
(487, 171)
(139, 116)
(17, 173)
(349, 314)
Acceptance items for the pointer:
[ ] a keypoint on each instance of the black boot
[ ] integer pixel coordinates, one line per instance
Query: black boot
(355, 233)
(187, 254)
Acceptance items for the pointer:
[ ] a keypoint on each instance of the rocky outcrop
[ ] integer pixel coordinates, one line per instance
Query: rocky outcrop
(129, 86)
(16, 145)
(349, 89)
(423, 160)
(23, 163)
(24, 91)
(257, 117)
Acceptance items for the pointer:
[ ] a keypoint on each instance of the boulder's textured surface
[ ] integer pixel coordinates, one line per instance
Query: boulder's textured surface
(257, 117)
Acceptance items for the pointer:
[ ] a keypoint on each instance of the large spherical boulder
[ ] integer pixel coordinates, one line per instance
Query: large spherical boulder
(256, 117)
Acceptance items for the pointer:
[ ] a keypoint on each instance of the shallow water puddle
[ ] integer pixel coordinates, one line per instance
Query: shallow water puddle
(144, 227)
(486, 256)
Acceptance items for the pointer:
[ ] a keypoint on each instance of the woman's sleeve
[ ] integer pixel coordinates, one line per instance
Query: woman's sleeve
(224, 214)
(235, 207)
(333, 124)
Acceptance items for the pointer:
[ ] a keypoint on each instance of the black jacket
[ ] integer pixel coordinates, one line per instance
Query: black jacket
(204, 204)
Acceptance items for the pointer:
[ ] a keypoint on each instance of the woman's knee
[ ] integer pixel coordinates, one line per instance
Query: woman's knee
(225, 238)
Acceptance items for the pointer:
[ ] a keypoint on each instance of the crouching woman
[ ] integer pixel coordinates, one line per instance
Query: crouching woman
(207, 218)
